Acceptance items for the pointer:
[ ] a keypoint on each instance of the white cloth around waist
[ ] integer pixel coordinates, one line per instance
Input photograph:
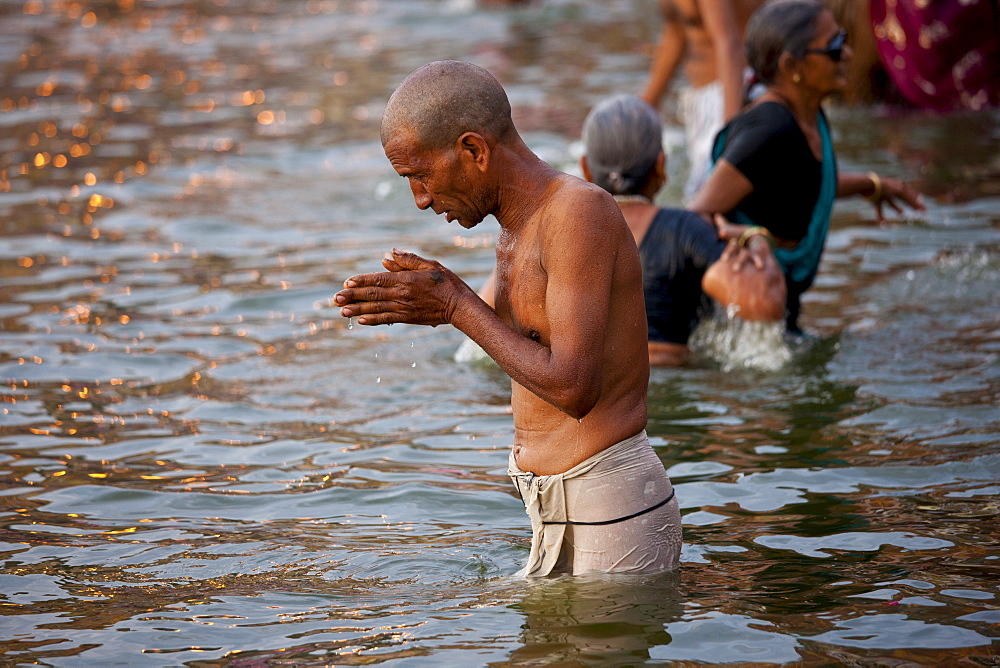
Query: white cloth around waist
(613, 489)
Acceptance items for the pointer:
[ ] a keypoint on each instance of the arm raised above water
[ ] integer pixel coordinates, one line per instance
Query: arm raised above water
(577, 258)
(580, 257)
(879, 190)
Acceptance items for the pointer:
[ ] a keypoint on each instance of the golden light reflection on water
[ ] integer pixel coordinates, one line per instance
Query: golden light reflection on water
(99, 115)
(109, 92)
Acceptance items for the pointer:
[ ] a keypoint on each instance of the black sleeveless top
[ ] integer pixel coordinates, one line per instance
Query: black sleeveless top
(678, 248)
(766, 144)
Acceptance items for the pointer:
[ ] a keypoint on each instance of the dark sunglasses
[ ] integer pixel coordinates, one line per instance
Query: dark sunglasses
(834, 49)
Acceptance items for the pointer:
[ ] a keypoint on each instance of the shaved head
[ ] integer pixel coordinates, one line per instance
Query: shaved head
(445, 99)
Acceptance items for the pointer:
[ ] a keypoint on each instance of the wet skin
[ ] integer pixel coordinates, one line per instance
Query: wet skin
(569, 323)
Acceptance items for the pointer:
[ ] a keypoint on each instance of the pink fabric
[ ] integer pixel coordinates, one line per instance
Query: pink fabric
(941, 54)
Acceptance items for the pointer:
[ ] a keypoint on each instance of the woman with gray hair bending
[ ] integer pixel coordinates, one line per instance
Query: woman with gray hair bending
(682, 257)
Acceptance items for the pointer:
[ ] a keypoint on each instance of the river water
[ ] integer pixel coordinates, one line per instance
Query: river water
(203, 464)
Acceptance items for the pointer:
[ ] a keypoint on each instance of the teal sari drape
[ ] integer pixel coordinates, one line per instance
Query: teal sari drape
(800, 263)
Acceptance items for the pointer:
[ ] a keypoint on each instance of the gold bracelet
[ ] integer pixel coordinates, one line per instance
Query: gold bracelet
(753, 231)
(876, 195)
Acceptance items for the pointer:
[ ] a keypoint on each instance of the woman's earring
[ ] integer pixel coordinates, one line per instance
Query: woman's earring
(797, 78)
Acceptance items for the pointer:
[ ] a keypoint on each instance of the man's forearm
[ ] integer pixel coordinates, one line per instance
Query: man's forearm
(667, 57)
(720, 22)
(571, 385)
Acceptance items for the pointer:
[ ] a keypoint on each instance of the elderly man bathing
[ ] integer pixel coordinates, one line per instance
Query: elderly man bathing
(569, 324)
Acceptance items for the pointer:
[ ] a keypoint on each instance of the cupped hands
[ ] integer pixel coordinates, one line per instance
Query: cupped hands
(413, 290)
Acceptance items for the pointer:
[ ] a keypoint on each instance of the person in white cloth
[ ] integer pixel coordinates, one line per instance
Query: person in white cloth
(568, 327)
(707, 37)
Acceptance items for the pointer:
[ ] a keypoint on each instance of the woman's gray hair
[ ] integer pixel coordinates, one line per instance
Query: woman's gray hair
(622, 138)
(780, 26)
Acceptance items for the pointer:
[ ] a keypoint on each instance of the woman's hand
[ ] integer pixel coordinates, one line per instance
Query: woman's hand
(727, 231)
(892, 191)
(879, 190)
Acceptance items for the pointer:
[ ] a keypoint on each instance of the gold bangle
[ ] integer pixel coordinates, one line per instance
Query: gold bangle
(753, 231)
(877, 187)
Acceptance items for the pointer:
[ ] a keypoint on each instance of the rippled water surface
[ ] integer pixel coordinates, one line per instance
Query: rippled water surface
(203, 464)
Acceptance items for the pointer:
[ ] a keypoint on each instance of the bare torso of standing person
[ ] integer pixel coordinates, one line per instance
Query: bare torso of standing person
(547, 440)
(700, 63)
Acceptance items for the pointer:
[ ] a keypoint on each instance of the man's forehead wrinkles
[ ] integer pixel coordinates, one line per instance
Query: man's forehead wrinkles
(401, 161)
(405, 167)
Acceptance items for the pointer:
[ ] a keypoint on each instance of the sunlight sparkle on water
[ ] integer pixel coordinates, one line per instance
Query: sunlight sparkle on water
(190, 451)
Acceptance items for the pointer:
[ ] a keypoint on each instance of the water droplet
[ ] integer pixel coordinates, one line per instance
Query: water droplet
(350, 323)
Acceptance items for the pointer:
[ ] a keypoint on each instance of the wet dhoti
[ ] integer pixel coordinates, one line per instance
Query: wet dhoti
(613, 513)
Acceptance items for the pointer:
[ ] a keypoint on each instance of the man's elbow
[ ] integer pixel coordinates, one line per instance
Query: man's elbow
(576, 400)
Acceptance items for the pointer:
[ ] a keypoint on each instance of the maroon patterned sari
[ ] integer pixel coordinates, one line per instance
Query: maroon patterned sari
(941, 54)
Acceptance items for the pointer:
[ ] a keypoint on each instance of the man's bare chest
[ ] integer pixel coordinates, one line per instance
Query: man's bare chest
(521, 289)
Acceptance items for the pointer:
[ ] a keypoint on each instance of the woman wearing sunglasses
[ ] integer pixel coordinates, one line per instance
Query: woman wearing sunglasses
(775, 172)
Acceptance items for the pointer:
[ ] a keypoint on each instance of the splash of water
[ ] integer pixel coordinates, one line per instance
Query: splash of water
(733, 343)
(469, 352)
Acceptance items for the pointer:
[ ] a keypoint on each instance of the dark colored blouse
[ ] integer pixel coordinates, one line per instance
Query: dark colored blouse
(677, 249)
(767, 146)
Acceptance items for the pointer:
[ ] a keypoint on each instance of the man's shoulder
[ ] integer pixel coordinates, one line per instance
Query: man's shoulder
(582, 200)
(567, 184)
(578, 212)
(685, 12)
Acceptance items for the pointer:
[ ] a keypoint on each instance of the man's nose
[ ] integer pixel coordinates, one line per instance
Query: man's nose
(420, 195)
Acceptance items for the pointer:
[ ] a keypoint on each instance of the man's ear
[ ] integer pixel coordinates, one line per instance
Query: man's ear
(474, 147)
(585, 168)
